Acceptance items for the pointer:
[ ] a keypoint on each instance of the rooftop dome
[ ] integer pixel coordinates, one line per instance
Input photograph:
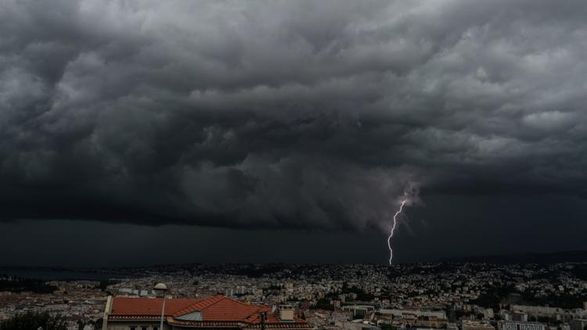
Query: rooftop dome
(160, 286)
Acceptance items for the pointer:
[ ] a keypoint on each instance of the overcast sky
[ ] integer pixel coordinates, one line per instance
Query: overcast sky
(290, 130)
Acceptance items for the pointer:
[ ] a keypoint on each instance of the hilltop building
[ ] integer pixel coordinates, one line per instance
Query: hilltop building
(141, 313)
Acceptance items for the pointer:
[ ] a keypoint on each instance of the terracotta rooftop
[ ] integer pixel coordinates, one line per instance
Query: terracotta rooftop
(130, 306)
(213, 309)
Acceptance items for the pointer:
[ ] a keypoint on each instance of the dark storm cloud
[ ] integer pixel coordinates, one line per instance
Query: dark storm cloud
(285, 113)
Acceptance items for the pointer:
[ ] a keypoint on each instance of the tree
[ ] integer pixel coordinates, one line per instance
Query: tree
(34, 320)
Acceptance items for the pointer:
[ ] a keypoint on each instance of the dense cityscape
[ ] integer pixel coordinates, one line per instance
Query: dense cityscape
(448, 295)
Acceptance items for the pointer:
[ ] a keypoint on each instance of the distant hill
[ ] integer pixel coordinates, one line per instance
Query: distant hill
(526, 258)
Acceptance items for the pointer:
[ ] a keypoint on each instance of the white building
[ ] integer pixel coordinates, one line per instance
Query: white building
(518, 325)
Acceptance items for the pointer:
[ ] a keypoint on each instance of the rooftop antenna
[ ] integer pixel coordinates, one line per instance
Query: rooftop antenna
(263, 318)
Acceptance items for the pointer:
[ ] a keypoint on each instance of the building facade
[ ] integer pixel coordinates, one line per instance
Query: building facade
(519, 325)
(476, 325)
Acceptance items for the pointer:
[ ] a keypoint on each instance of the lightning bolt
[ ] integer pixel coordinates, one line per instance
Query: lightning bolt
(399, 211)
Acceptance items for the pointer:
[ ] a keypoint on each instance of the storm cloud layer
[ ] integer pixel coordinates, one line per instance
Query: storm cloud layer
(289, 114)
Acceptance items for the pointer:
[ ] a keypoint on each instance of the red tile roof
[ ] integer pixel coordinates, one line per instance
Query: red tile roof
(130, 306)
(214, 308)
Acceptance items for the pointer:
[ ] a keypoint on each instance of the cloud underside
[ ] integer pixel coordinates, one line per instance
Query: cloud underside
(285, 114)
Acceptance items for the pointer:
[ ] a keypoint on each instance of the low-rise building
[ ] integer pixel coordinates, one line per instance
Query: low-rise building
(520, 325)
(476, 325)
(142, 313)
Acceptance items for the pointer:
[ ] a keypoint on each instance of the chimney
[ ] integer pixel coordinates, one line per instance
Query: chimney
(286, 313)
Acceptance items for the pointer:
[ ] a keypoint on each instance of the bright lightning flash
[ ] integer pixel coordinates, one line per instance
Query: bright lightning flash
(399, 211)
